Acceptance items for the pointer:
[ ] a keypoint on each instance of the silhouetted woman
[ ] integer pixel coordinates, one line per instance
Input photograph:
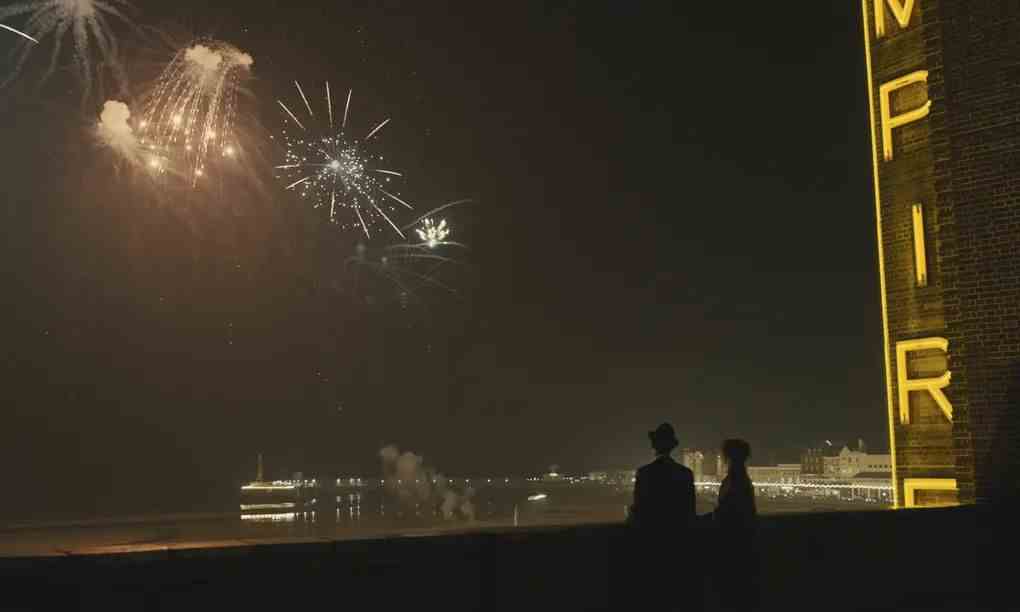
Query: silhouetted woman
(735, 520)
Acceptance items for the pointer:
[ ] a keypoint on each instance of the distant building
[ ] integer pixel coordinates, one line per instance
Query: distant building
(842, 461)
(831, 466)
(712, 465)
(695, 461)
(813, 460)
(850, 463)
(784, 473)
(613, 476)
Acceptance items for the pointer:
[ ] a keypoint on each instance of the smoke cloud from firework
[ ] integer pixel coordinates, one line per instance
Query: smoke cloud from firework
(208, 60)
(115, 129)
(243, 59)
(205, 58)
(413, 483)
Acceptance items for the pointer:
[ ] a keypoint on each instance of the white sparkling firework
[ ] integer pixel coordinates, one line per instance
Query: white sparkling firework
(325, 164)
(88, 21)
(433, 234)
(189, 115)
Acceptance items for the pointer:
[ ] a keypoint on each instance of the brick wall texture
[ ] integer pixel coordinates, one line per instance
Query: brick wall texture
(962, 163)
(973, 51)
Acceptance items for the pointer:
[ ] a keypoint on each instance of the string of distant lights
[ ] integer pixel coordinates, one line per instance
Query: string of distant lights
(292, 485)
(268, 487)
(807, 485)
(280, 506)
(279, 517)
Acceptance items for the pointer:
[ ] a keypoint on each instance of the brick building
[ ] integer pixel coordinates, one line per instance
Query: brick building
(695, 461)
(944, 86)
(812, 460)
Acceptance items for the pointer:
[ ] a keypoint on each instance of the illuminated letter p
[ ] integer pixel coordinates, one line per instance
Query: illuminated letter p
(889, 122)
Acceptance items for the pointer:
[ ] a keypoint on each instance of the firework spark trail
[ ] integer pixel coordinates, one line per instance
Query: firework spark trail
(296, 120)
(436, 211)
(86, 20)
(407, 280)
(377, 128)
(302, 92)
(329, 104)
(413, 266)
(394, 272)
(388, 220)
(191, 110)
(18, 32)
(335, 170)
(408, 267)
(346, 108)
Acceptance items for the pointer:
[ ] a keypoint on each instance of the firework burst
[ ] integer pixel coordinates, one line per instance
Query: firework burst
(88, 21)
(325, 164)
(433, 234)
(412, 268)
(189, 115)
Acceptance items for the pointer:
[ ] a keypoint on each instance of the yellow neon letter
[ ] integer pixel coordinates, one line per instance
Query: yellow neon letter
(912, 485)
(900, 11)
(933, 386)
(888, 122)
(920, 260)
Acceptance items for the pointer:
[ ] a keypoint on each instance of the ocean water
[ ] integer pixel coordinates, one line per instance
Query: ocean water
(352, 514)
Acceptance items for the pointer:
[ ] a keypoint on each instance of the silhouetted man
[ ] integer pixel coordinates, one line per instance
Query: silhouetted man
(662, 515)
(663, 489)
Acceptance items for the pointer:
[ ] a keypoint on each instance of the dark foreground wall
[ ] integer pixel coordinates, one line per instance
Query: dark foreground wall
(895, 560)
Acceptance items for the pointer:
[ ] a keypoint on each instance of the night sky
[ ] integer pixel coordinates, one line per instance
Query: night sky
(672, 219)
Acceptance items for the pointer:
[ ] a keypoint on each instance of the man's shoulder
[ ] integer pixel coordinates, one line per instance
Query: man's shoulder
(665, 467)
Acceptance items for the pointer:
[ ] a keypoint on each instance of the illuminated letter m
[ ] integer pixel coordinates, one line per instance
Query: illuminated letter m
(900, 10)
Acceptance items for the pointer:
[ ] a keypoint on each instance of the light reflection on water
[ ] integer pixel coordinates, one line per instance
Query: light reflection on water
(275, 517)
(369, 513)
(378, 509)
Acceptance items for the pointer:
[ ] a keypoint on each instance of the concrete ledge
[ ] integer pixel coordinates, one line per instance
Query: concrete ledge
(841, 561)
